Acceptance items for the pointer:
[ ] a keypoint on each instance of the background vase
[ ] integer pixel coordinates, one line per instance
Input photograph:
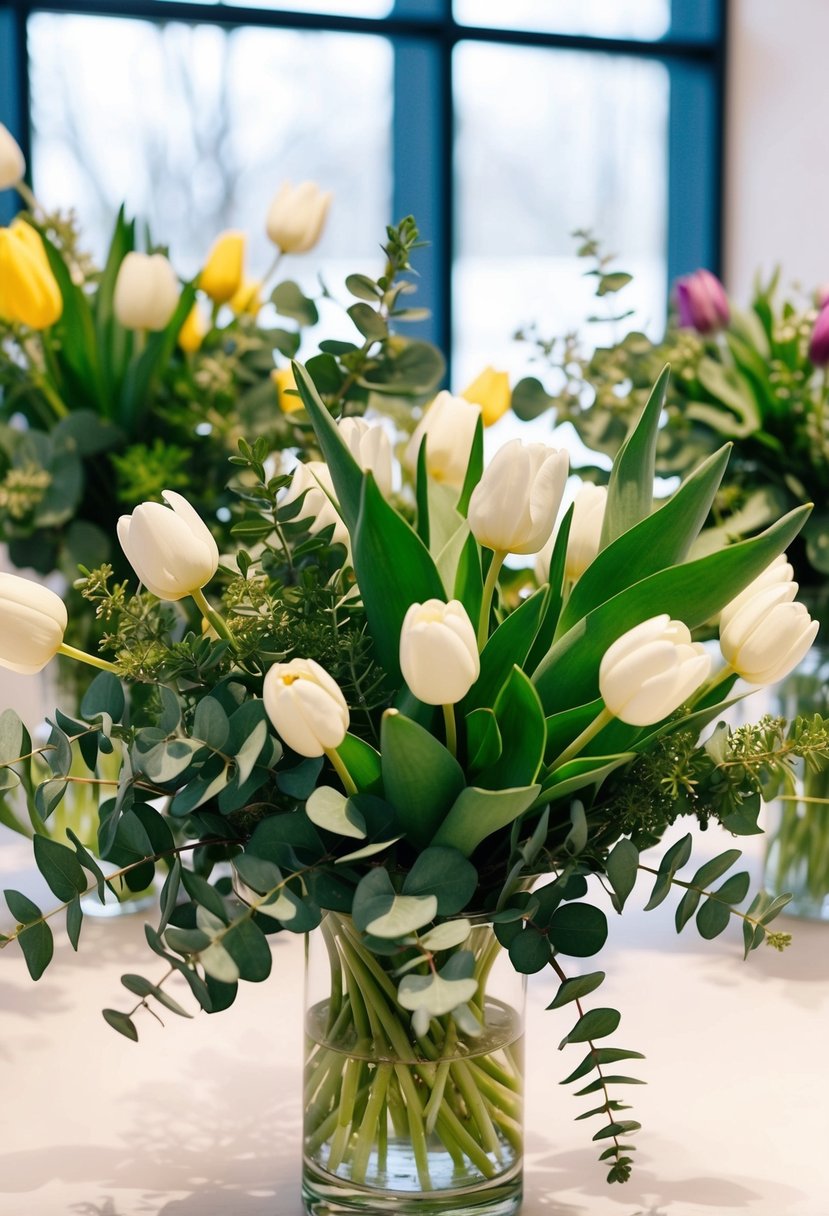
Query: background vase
(405, 1124)
(797, 857)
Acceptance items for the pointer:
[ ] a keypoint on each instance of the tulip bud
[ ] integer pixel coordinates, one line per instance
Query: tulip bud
(306, 706)
(296, 216)
(702, 302)
(286, 394)
(12, 161)
(819, 341)
(491, 392)
(313, 479)
(170, 548)
(514, 505)
(371, 448)
(247, 301)
(221, 276)
(763, 633)
(191, 334)
(32, 624)
(649, 671)
(449, 428)
(438, 652)
(146, 291)
(29, 292)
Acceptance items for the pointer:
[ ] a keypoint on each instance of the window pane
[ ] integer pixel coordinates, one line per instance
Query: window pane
(566, 140)
(196, 127)
(601, 18)
(337, 8)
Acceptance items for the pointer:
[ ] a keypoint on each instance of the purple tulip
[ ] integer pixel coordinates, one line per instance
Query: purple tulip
(819, 341)
(702, 302)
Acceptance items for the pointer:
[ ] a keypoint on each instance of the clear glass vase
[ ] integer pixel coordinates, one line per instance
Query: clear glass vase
(404, 1125)
(797, 857)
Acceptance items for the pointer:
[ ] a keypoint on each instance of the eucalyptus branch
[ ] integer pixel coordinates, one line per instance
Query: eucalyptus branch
(621, 1169)
(5, 939)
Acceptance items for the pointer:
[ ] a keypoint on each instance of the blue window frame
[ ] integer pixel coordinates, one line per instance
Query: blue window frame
(429, 38)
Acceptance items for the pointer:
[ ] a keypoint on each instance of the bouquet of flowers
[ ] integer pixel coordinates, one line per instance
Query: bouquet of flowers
(385, 733)
(755, 377)
(120, 381)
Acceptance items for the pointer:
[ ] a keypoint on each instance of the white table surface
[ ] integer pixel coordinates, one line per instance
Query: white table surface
(201, 1118)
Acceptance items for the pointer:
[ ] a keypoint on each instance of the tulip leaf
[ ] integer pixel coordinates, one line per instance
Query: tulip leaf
(469, 581)
(421, 778)
(475, 468)
(362, 762)
(662, 539)
(448, 560)
(692, 592)
(567, 725)
(579, 773)
(630, 488)
(483, 740)
(385, 543)
(523, 734)
(555, 598)
(422, 493)
(141, 373)
(346, 474)
(507, 647)
(444, 520)
(477, 813)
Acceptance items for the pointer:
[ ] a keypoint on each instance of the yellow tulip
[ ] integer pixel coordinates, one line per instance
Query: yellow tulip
(222, 273)
(491, 392)
(29, 292)
(191, 334)
(248, 297)
(283, 380)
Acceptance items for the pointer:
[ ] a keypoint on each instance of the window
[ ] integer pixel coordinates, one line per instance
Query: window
(501, 127)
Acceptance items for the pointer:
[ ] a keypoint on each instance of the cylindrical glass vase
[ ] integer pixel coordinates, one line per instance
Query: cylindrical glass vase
(406, 1125)
(797, 858)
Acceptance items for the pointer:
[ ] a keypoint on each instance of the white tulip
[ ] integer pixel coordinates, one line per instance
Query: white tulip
(779, 573)
(313, 479)
(449, 427)
(296, 216)
(371, 448)
(514, 505)
(764, 636)
(438, 652)
(585, 535)
(169, 548)
(146, 291)
(32, 624)
(306, 706)
(649, 671)
(12, 161)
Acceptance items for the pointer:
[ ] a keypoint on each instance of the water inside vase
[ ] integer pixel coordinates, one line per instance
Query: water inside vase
(416, 1125)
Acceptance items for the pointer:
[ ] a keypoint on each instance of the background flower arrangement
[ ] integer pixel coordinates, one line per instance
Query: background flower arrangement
(380, 733)
(120, 381)
(754, 376)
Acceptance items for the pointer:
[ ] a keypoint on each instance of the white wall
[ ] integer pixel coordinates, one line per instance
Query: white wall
(777, 140)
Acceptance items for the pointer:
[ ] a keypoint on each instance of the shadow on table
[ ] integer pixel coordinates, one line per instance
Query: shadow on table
(646, 1194)
(207, 1145)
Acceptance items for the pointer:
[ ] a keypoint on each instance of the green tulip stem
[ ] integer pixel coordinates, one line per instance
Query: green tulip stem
(272, 269)
(28, 196)
(342, 772)
(211, 615)
(710, 685)
(451, 729)
(599, 723)
(83, 657)
(489, 590)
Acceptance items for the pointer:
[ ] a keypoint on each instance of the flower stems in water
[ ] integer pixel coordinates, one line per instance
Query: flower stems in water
(370, 1083)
